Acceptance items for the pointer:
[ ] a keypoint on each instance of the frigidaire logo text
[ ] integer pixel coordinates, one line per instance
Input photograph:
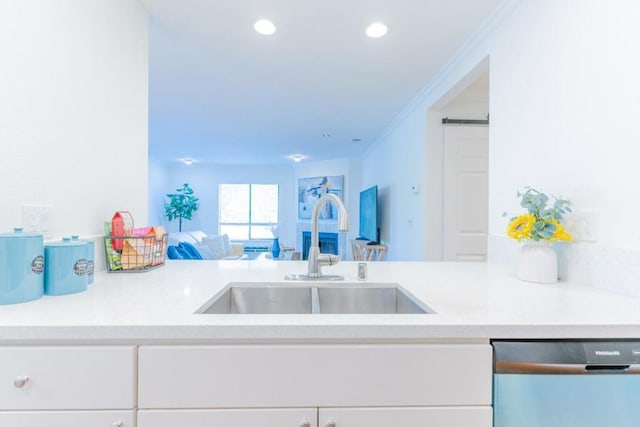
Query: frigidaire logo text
(607, 352)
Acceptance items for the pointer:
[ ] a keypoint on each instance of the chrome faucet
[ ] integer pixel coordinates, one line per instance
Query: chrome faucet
(316, 258)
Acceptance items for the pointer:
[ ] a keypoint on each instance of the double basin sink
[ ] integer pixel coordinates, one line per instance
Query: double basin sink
(314, 298)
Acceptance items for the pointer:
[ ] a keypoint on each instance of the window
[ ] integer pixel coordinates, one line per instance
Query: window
(248, 211)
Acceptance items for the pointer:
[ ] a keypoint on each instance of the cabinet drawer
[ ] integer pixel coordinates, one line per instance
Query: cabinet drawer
(68, 419)
(313, 375)
(67, 377)
(230, 418)
(385, 417)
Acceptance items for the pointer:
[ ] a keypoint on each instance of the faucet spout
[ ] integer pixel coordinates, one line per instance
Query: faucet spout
(317, 259)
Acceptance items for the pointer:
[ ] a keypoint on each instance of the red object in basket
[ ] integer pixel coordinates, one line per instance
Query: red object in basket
(121, 225)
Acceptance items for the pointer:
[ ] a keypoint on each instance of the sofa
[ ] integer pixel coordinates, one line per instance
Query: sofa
(198, 245)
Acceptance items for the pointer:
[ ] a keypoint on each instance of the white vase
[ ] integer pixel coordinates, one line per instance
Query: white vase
(538, 263)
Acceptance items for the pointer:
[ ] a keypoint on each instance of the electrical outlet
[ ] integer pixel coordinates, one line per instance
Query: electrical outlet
(38, 219)
(587, 226)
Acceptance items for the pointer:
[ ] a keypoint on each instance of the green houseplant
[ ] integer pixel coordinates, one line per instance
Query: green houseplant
(538, 228)
(541, 222)
(181, 204)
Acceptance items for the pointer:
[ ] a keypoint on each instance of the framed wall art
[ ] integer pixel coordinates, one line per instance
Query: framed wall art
(310, 190)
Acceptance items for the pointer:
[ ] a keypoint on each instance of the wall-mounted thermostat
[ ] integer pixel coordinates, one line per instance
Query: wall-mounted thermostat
(415, 188)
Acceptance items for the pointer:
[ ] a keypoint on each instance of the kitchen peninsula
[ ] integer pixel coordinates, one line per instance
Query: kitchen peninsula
(471, 300)
(130, 351)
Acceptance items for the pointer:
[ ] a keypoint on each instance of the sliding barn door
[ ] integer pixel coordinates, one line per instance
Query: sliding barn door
(466, 192)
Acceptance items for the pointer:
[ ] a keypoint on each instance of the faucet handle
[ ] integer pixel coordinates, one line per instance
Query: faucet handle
(328, 259)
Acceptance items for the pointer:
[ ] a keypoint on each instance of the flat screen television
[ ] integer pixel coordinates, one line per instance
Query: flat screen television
(369, 228)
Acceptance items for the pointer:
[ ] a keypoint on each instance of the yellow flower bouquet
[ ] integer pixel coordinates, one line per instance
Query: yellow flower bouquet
(540, 222)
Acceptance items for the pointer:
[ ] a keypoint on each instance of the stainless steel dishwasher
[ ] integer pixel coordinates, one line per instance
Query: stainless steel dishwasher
(566, 383)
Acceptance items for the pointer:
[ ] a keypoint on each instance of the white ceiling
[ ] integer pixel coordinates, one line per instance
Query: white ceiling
(221, 93)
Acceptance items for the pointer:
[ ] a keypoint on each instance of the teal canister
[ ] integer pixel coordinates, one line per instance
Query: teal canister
(90, 256)
(90, 260)
(21, 266)
(66, 271)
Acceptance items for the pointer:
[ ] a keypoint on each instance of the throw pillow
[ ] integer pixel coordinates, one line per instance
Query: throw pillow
(176, 238)
(216, 245)
(190, 249)
(198, 235)
(204, 250)
(228, 250)
(176, 252)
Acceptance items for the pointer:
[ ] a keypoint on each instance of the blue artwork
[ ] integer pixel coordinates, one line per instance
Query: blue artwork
(310, 190)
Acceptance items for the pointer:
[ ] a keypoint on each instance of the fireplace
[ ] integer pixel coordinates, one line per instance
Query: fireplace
(328, 243)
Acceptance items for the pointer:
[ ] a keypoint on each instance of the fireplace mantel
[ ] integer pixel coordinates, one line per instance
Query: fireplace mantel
(323, 227)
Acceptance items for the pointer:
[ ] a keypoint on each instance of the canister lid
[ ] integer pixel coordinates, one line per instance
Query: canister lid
(66, 241)
(76, 238)
(19, 233)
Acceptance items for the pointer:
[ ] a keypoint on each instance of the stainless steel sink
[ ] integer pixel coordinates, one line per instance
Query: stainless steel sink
(314, 298)
(245, 298)
(368, 300)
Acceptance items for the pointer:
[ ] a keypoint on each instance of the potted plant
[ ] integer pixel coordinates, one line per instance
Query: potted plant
(538, 229)
(182, 204)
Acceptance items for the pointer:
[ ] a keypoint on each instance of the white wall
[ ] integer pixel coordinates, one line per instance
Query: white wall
(158, 188)
(564, 104)
(73, 111)
(394, 166)
(473, 100)
(566, 116)
(564, 96)
(205, 179)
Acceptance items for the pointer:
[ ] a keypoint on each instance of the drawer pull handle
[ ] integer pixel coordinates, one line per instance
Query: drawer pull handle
(330, 423)
(305, 423)
(117, 424)
(20, 382)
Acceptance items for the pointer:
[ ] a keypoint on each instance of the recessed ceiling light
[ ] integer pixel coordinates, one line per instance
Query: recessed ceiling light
(187, 161)
(326, 135)
(377, 29)
(297, 158)
(265, 27)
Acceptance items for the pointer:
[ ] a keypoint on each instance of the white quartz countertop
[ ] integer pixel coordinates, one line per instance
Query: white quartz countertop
(473, 301)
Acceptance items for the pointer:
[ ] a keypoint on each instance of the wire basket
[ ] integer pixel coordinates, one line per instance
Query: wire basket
(138, 253)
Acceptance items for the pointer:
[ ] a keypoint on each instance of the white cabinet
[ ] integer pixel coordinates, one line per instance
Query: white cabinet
(324, 417)
(414, 417)
(263, 376)
(448, 385)
(299, 417)
(314, 385)
(68, 419)
(68, 386)
(70, 377)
